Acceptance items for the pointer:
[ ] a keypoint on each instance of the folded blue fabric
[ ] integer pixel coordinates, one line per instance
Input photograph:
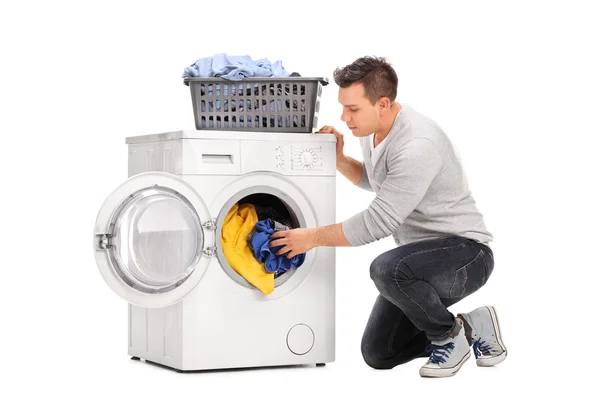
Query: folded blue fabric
(234, 68)
(259, 242)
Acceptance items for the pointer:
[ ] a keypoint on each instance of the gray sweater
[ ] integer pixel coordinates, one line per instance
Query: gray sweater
(420, 186)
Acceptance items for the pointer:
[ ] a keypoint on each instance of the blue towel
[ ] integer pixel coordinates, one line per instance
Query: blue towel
(259, 242)
(234, 68)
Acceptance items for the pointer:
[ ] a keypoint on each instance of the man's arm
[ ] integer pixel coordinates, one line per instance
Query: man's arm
(408, 179)
(331, 235)
(406, 183)
(350, 168)
(301, 240)
(354, 171)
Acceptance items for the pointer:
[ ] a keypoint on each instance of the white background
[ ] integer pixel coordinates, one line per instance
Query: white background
(514, 84)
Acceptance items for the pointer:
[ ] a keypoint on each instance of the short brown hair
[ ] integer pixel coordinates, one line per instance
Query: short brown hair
(376, 75)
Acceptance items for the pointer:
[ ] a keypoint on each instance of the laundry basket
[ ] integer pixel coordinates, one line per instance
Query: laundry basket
(256, 104)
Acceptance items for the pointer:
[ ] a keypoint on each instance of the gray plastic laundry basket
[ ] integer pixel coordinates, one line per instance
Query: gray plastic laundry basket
(256, 104)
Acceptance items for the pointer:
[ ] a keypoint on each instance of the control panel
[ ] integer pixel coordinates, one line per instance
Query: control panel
(296, 158)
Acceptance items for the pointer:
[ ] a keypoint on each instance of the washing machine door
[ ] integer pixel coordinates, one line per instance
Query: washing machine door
(153, 239)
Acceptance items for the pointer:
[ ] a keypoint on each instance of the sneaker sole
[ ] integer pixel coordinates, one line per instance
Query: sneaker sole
(489, 362)
(443, 372)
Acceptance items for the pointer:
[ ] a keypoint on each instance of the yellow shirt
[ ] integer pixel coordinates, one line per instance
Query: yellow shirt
(238, 224)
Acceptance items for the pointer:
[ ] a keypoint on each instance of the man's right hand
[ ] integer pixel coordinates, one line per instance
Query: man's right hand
(339, 146)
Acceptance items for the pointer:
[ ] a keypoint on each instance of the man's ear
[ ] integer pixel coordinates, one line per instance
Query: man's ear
(383, 104)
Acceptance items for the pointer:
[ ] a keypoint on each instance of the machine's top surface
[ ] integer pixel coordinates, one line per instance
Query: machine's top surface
(231, 135)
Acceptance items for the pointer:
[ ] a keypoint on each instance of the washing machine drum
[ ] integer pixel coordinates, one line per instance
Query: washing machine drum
(245, 239)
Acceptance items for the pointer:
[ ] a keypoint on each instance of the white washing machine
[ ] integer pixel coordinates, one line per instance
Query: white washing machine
(157, 242)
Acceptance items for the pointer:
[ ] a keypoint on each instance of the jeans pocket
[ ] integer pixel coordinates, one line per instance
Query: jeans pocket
(470, 277)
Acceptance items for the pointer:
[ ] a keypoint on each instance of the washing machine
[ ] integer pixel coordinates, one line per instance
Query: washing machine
(157, 244)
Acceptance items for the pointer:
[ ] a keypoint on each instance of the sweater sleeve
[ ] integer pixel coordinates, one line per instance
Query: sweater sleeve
(364, 179)
(411, 169)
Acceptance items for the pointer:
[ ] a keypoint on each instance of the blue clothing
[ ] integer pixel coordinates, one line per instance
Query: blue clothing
(208, 104)
(234, 68)
(209, 122)
(259, 242)
(259, 89)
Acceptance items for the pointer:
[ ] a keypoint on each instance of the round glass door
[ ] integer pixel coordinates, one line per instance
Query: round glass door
(156, 241)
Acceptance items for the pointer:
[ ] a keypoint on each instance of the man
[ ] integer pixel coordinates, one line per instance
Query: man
(422, 199)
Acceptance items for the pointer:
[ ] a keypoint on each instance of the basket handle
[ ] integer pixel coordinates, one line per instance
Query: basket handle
(324, 81)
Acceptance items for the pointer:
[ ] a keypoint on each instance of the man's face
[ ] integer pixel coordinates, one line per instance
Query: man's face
(361, 117)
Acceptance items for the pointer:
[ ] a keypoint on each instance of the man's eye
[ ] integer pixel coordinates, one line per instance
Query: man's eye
(353, 110)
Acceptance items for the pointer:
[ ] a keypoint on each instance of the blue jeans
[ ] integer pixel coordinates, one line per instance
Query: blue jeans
(417, 282)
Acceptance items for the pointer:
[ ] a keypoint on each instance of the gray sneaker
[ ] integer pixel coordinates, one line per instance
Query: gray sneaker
(483, 333)
(447, 356)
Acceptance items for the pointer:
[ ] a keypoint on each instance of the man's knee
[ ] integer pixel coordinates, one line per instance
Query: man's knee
(376, 360)
(372, 359)
(390, 268)
(381, 269)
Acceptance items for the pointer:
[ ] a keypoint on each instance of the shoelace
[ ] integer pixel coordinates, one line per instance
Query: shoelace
(480, 348)
(439, 352)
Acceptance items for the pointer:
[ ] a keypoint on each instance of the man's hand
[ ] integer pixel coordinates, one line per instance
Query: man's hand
(339, 144)
(300, 240)
(294, 241)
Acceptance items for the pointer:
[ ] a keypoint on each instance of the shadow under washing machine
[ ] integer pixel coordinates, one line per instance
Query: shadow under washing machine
(157, 243)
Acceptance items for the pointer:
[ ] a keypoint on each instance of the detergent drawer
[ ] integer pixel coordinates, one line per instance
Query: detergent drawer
(210, 157)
